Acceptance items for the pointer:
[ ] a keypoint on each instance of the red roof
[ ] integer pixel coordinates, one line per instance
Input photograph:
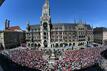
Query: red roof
(14, 28)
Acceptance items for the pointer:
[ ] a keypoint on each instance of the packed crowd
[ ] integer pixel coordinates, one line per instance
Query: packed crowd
(30, 58)
(72, 60)
(78, 59)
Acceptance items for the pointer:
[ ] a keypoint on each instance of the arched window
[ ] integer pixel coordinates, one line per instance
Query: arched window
(66, 44)
(70, 44)
(44, 33)
(57, 45)
(28, 44)
(73, 44)
(35, 45)
(39, 45)
(32, 45)
(61, 45)
(45, 43)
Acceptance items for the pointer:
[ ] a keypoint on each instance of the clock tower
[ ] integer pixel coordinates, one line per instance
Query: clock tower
(45, 25)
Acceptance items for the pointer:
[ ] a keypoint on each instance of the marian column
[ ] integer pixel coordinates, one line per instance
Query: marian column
(45, 25)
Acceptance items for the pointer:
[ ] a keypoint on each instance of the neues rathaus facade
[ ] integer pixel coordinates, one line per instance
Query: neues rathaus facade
(58, 35)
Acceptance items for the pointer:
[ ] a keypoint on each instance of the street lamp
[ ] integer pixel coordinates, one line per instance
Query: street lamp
(1, 2)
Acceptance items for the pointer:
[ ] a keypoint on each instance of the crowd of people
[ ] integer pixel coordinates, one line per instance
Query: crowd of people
(72, 59)
(78, 59)
(30, 58)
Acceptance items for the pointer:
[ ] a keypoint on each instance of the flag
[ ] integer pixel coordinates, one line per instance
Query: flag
(1, 2)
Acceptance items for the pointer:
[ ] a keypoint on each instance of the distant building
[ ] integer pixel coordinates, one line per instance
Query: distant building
(11, 37)
(54, 35)
(14, 28)
(100, 35)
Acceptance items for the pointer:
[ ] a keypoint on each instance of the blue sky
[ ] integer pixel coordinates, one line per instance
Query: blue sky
(94, 12)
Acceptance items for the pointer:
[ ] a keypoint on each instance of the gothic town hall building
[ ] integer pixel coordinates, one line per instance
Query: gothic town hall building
(58, 35)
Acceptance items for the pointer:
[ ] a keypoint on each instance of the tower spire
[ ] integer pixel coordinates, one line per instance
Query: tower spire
(46, 8)
(47, 1)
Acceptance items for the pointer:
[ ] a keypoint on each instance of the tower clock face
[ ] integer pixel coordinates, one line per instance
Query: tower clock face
(45, 26)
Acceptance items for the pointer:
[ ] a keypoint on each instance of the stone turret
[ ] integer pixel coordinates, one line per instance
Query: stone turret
(7, 24)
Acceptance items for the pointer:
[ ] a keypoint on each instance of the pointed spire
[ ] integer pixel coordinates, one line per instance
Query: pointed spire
(46, 8)
(46, 3)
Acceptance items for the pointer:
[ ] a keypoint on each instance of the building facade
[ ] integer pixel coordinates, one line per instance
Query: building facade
(56, 35)
(100, 35)
(11, 37)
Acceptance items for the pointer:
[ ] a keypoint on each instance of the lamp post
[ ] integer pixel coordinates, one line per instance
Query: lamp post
(1, 2)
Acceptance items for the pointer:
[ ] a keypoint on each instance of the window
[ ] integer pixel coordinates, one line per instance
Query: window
(28, 44)
(44, 33)
(44, 37)
(73, 44)
(32, 45)
(45, 43)
(35, 45)
(80, 44)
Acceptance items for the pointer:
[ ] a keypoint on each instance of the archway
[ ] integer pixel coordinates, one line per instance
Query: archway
(70, 44)
(61, 45)
(32, 45)
(28, 45)
(35, 45)
(39, 45)
(57, 45)
(45, 43)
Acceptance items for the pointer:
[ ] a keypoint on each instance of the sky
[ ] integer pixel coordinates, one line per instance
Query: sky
(19, 12)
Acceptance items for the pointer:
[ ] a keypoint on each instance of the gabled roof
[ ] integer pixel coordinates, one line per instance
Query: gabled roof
(14, 28)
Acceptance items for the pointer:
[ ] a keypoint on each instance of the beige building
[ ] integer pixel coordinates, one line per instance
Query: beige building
(100, 35)
(57, 35)
(11, 37)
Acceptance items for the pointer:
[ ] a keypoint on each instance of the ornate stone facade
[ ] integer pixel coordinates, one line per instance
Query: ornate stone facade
(57, 35)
